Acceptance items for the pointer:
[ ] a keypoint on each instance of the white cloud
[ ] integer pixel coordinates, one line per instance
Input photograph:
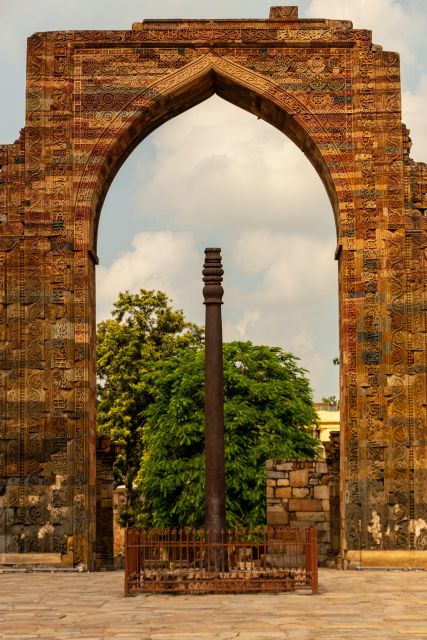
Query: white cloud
(321, 373)
(293, 268)
(250, 318)
(120, 14)
(294, 301)
(227, 169)
(302, 329)
(164, 260)
(395, 25)
(414, 107)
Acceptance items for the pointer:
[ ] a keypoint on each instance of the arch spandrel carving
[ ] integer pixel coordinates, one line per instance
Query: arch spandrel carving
(208, 74)
(91, 98)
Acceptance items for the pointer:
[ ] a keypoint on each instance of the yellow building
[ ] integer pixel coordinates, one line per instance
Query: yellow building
(329, 420)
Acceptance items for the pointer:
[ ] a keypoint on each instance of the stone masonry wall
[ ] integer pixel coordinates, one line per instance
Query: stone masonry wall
(298, 496)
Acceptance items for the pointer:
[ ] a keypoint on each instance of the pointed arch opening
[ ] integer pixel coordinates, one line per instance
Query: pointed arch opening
(191, 86)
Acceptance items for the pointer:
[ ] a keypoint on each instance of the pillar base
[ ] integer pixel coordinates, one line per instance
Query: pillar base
(396, 559)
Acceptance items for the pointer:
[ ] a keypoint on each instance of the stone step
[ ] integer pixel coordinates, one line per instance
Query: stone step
(36, 559)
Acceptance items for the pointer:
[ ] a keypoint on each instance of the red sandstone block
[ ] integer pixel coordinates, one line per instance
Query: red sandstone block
(301, 504)
(321, 492)
(317, 517)
(283, 492)
(298, 478)
(277, 518)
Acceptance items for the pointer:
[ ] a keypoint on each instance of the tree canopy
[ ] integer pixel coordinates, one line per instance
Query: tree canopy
(268, 411)
(144, 330)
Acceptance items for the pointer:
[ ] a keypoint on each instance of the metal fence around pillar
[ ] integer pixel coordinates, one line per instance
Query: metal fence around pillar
(234, 561)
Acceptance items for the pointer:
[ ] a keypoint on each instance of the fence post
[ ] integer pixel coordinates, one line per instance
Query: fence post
(126, 563)
(314, 561)
(140, 537)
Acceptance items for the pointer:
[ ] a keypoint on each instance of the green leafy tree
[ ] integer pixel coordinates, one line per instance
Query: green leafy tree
(143, 331)
(268, 414)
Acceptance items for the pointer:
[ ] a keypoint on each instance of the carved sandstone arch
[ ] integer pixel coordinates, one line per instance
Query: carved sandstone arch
(92, 96)
(186, 88)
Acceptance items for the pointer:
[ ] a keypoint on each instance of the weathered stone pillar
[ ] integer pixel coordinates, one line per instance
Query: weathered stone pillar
(214, 393)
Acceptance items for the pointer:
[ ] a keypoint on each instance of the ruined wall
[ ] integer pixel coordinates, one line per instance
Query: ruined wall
(91, 97)
(298, 496)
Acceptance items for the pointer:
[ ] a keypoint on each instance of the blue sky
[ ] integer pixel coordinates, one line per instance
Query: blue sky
(232, 181)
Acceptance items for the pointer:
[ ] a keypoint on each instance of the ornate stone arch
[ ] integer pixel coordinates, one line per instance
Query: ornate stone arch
(92, 96)
(195, 82)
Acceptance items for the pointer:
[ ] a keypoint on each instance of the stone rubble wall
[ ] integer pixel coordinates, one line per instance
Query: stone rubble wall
(298, 496)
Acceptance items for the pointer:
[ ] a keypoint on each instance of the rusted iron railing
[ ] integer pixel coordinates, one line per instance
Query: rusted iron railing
(236, 561)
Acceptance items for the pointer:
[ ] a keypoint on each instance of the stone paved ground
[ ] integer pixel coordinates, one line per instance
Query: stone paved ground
(370, 605)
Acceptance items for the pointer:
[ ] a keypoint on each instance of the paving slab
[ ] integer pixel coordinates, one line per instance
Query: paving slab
(377, 605)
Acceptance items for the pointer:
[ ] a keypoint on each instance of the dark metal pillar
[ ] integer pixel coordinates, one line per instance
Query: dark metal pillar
(214, 394)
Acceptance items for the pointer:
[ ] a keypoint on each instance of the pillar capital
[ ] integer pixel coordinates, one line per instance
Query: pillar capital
(212, 277)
